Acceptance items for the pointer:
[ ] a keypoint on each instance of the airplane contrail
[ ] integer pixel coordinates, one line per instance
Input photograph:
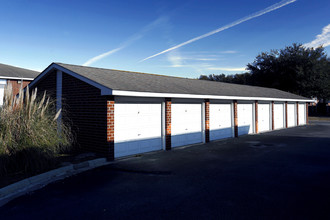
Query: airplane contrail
(244, 19)
(128, 42)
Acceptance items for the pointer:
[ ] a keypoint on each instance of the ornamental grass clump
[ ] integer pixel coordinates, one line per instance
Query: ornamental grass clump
(30, 139)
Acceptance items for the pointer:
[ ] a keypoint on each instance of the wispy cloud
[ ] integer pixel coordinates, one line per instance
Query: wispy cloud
(244, 19)
(101, 56)
(322, 39)
(230, 69)
(229, 51)
(175, 58)
(129, 41)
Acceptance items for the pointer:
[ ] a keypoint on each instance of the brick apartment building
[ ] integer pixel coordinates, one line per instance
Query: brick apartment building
(15, 76)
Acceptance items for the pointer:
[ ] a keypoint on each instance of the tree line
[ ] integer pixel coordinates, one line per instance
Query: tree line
(296, 69)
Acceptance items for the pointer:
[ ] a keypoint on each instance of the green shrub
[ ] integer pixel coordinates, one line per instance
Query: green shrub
(29, 138)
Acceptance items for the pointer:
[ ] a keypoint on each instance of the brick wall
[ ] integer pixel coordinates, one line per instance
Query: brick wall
(256, 117)
(47, 84)
(16, 85)
(83, 109)
(207, 120)
(168, 121)
(235, 119)
(86, 110)
(297, 105)
(111, 127)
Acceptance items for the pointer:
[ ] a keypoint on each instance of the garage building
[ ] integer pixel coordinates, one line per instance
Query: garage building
(120, 113)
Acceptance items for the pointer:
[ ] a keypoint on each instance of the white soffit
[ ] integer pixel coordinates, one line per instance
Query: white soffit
(192, 96)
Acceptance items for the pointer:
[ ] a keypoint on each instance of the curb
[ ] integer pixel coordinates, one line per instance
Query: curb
(30, 184)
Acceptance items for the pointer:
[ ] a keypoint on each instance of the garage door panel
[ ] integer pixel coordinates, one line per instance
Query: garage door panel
(291, 115)
(137, 128)
(245, 118)
(220, 121)
(278, 115)
(264, 117)
(186, 124)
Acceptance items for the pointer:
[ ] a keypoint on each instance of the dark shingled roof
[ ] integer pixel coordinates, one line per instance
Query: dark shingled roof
(142, 82)
(12, 71)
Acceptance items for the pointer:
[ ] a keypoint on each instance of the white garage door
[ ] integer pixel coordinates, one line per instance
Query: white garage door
(291, 115)
(263, 117)
(245, 118)
(186, 124)
(302, 114)
(220, 121)
(2, 88)
(278, 115)
(137, 128)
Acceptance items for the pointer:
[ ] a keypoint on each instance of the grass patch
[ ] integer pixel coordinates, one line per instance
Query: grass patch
(29, 137)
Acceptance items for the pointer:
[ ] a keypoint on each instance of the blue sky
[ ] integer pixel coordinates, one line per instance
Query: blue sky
(129, 34)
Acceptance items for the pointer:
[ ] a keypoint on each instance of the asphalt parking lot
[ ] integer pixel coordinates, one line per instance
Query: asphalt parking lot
(282, 174)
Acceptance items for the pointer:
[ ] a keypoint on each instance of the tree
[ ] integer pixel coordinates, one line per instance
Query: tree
(297, 69)
(243, 78)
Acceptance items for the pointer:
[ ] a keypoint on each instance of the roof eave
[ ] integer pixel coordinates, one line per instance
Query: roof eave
(194, 96)
(16, 78)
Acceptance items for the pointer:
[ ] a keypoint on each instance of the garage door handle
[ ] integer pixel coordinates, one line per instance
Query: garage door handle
(139, 134)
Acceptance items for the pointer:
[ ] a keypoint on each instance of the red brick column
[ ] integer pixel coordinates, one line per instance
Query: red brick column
(286, 114)
(235, 119)
(297, 113)
(273, 115)
(111, 128)
(306, 113)
(168, 121)
(207, 120)
(256, 116)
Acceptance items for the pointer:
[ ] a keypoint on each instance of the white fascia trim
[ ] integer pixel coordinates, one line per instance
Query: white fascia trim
(191, 96)
(17, 78)
(104, 90)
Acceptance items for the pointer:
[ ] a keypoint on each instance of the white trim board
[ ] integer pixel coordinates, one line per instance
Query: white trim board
(17, 78)
(192, 96)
